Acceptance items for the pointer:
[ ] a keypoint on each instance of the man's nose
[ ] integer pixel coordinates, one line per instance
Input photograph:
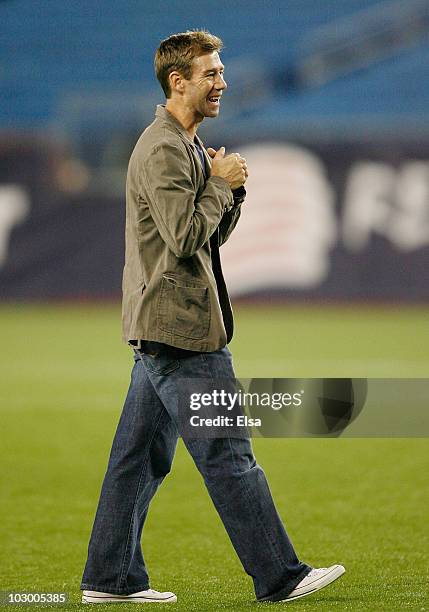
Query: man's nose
(221, 83)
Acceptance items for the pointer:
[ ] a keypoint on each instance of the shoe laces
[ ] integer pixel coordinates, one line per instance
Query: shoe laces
(316, 571)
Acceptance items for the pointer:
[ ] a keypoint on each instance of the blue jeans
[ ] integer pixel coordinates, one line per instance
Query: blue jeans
(141, 456)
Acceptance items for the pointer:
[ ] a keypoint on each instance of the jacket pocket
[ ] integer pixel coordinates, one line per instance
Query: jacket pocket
(183, 308)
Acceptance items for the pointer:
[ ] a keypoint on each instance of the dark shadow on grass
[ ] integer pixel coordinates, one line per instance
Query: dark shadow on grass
(312, 599)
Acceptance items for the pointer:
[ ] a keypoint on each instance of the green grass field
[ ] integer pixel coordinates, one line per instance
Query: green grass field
(360, 502)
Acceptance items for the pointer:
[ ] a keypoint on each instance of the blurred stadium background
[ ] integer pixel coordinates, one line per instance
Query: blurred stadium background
(329, 103)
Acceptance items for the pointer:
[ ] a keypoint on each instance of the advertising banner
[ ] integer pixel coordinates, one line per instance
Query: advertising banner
(333, 222)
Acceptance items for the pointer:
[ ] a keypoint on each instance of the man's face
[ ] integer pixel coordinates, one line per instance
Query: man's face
(204, 89)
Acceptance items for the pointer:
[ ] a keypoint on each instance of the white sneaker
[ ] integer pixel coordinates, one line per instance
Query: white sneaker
(316, 580)
(149, 596)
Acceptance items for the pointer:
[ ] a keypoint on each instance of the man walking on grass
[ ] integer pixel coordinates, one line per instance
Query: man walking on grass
(182, 204)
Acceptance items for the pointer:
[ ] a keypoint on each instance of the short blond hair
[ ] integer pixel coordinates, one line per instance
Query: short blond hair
(178, 51)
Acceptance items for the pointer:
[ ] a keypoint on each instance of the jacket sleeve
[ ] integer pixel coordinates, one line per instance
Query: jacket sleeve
(231, 217)
(184, 222)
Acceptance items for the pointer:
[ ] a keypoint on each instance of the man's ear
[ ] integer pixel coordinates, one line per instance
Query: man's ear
(176, 81)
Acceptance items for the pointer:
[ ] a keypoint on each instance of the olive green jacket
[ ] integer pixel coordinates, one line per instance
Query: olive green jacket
(173, 288)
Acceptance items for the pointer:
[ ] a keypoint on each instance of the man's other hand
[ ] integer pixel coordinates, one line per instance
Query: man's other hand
(232, 168)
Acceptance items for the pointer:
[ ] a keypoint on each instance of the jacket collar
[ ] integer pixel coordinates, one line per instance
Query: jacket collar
(164, 114)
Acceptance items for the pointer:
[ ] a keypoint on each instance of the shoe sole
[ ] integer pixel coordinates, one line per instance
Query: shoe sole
(88, 599)
(324, 582)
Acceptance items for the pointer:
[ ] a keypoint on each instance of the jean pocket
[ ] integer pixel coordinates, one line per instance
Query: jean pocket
(161, 364)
